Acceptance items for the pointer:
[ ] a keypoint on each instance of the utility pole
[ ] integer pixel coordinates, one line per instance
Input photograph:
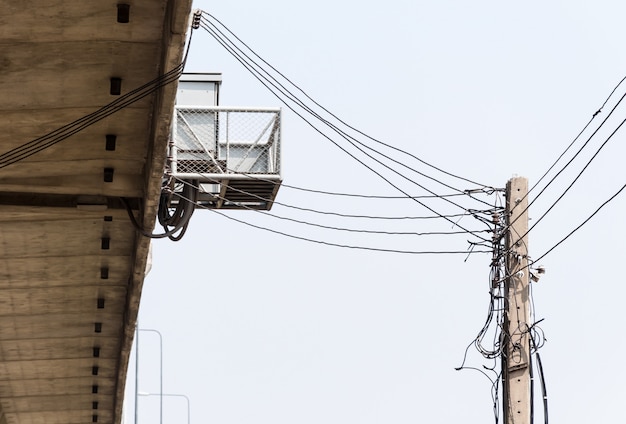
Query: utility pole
(516, 365)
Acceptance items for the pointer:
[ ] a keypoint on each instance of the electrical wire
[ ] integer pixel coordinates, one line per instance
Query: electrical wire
(473, 212)
(175, 217)
(173, 214)
(139, 228)
(352, 230)
(322, 242)
(532, 391)
(366, 196)
(326, 110)
(544, 392)
(231, 47)
(578, 152)
(260, 78)
(606, 202)
(43, 142)
(342, 134)
(580, 133)
(485, 190)
(375, 197)
(574, 181)
(492, 309)
(326, 243)
(609, 200)
(344, 215)
(496, 319)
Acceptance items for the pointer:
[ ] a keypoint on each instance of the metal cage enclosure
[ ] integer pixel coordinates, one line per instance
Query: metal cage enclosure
(232, 154)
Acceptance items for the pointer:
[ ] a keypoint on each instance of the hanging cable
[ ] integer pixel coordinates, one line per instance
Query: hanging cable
(252, 68)
(580, 133)
(375, 249)
(41, 143)
(352, 230)
(342, 134)
(381, 197)
(544, 393)
(609, 200)
(580, 150)
(175, 210)
(574, 181)
(326, 243)
(326, 110)
(469, 212)
(174, 213)
(495, 314)
(260, 78)
(465, 193)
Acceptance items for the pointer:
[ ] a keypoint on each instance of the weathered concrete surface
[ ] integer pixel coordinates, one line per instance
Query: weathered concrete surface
(71, 264)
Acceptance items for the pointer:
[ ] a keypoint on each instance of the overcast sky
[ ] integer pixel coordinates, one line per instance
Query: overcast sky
(261, 328)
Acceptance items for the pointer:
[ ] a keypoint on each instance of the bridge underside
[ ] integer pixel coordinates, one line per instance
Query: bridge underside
(71, 263)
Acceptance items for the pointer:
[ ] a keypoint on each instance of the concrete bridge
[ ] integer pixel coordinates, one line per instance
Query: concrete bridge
(71, 263)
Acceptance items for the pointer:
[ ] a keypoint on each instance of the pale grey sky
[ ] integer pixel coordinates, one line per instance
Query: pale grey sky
(258, 328)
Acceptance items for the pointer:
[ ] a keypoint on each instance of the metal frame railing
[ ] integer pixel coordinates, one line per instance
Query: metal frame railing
(209, 143)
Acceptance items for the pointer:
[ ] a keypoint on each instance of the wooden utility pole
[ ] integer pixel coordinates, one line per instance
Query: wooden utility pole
(516, 366)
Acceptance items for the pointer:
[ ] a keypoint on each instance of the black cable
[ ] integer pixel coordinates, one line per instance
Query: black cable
(580, 133)
(579, 150)
(322, 242)
(223, 43)
(575, 179)
(375, 249)
(22, 152)
(532, 389)
(484, 191)
(342, 215)
(333, 115)
(367, 196)
(230, 47)
(178, 220)
(183, 210)
(363, 231)
(473, 212)
(139, 228)
(543, 388)
(43, 142)
(495, 313)
(378, 197)
(571, 184)
(583, 223)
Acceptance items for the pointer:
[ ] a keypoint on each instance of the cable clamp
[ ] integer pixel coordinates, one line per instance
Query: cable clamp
(195, 23)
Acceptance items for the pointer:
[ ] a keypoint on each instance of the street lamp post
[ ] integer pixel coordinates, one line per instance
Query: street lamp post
(171, 395)
(160, 373)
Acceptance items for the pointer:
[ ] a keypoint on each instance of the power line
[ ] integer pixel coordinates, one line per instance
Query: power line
(575, 179)
(329, 112)
(581, 148)
(231, 47)
(382, 197)
(581, 132)
(609, 200)
(468, 212)
(352, 230)
(345, 136)
(334, 142)
(375, 249)
(465, 193)
(326, 243)
(41, 143)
